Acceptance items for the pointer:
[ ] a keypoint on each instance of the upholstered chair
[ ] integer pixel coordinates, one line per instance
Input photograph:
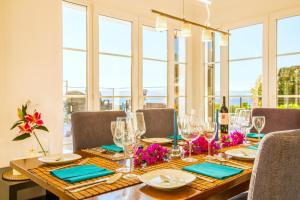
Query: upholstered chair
(92, 129)
(159, 122)
(278, 119)
(276, 170)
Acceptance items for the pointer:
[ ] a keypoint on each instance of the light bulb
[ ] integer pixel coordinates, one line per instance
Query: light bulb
(186, 30)
(224, 40)
(161, 23)
(206, 36)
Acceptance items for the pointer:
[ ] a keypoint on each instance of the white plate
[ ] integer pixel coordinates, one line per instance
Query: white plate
(157, 140)
(242, 153)
(59, 159)
(175, 179)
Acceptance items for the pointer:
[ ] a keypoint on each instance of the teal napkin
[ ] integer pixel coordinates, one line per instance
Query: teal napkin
(255, 135)
(213, 170)
(112, 147)
(179, 137)
(254, 147)
(80, 173)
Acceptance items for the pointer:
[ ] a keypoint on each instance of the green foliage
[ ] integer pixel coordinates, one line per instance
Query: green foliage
(22, 137)
(41, 128)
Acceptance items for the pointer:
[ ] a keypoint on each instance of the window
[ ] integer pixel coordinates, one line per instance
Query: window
(288, 62)
(180, 73)
(212, 76)
(154, 68)
(245, 67)
(74, 63)
(114, 64)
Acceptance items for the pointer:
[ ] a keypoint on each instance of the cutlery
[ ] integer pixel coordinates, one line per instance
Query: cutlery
(222, 159)
(84, 186)
(198, 176)
(229, 164)
(84, 161)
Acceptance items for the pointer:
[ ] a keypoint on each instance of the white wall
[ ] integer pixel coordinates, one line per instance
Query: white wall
(31, 68)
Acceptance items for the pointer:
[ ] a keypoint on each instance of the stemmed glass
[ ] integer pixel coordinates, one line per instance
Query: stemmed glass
(232, 121)
(209, 133)
(116, 128)
(259, 124)
(190, 128)
(245, 121)
(140, 124)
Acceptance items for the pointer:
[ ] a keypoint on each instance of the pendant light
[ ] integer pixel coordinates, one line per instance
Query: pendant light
(224, 40)
(161, 23)
(186, 28)
(206, 36)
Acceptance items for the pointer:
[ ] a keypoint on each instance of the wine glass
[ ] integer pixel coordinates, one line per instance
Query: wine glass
(140, 124)
(190, 128)
(130, 145)
(245, 121)
(232, 121)
(209, 133)
(116, 128)
(259, 124)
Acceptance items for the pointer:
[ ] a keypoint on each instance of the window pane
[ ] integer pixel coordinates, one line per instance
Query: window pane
(288, 81)
(155, 102)
(110, 39)
(74, 26)
(246, 42)
(154, 43)
(154, 78)
(288, 32)
(212, 104)
(213, 79)
(180, 49)
(245, 81)
(217, 47)
(122, 103)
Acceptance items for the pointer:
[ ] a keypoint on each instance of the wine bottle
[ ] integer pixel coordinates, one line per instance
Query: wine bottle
(224, 117)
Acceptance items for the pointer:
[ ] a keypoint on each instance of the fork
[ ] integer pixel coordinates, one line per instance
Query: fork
(84, 161)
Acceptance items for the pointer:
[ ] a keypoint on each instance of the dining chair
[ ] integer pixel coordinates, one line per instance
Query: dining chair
(159, 122)
(278, 119)
(92, 129)
(276, 170)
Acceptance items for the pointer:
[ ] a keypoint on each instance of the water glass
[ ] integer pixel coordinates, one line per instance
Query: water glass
(259, 124)
(209, 133)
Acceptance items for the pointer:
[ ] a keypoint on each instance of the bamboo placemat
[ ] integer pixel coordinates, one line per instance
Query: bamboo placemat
(105, 154)
(43, 173)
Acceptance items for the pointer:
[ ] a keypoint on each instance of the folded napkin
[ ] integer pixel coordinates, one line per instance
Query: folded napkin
(80, 173)
(179, 137)
(255, 135)
(112, 147)
(213, 170)
(254, 147)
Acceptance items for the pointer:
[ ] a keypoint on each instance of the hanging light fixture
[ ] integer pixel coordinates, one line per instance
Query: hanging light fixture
(161, 23)
(186, 30)
(224, 40)
(206, 36)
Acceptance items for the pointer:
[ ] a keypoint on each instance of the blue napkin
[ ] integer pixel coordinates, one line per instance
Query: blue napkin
(255, 135)
(254, 147)
(213, 170)
(112, 147)
(179, 137)
(80, 173)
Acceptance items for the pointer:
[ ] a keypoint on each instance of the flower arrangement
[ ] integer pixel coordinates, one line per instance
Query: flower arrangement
(200, 145)
(154, 153)
(234, 138)
(27, 124)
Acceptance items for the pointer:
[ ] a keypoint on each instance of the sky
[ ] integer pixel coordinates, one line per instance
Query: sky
(115, 38)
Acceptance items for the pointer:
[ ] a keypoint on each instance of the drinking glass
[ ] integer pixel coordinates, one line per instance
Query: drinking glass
(245, 121)
(130, 145)
(209, 133)
(232, 121)
(116, 130)
(140, 124)
(259, 124)
(190, 128)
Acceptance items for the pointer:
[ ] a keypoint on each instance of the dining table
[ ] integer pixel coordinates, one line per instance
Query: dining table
(203, 187)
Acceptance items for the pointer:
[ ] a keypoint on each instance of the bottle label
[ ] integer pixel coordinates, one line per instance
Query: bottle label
(224, 118)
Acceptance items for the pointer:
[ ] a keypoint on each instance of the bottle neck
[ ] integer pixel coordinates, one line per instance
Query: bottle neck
(224, 101)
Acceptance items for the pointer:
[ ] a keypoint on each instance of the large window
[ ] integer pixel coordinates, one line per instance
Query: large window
(212, 76)
(155, 64)
(288, 62)
(180, 73)
(74, 63)
(114, 64)
(245, 67)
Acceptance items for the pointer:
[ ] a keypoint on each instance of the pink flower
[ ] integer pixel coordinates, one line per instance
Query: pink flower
(153, 154)
(26, 128)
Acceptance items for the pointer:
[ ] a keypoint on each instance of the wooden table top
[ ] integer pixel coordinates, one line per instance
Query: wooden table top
(139, 191)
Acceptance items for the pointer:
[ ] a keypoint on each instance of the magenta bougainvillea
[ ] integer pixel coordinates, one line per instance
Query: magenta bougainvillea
(234, 138)
(153, 154)
(200, 145)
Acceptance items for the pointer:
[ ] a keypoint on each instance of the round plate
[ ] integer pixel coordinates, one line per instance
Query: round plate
(242, 153)
(157, 140)
(167, 179)
(59, 159)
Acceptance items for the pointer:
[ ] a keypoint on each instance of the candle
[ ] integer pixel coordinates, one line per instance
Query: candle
(175, 130)
(217, 129)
